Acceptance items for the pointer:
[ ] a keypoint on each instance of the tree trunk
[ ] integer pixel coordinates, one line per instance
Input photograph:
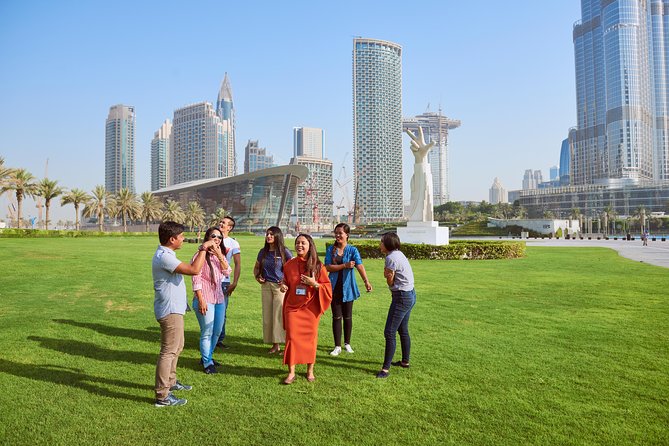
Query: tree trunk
(125, 224)
(46, 221)
(76, 217)
(19, 201)
(101, 218)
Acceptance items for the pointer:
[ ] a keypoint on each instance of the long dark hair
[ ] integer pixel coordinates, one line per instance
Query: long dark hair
(314, 264)
(346, 228)
(207, 236)
(278, 243)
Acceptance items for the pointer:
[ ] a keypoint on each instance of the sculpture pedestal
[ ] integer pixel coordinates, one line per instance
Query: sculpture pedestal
(428, 232)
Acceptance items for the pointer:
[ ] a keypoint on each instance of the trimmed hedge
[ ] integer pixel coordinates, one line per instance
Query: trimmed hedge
(41, 233)
(456, 250)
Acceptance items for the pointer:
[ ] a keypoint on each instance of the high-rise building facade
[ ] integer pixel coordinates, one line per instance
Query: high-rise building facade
(565, 162)
(497, 193)
(377, 130)
(225, 110)
(160, 156)
(198, 149)
(256, 157)
(435, 128)
(309, 142)
(120, 148)
(313, 204)
(620, 49)
(532, 179)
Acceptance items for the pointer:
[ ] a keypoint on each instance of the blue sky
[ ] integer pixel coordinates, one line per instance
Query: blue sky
(505, 69)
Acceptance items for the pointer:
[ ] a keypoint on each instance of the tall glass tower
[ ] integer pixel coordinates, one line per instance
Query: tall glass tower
(160, 156)
(197, 146)
(377, 130)
(620, 49)
(225, 110)
(120, 149)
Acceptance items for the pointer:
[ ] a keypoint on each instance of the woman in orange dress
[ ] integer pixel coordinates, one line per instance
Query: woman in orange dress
(308, 296)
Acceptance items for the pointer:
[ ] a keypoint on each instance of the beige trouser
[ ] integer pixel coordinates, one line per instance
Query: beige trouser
(171, 344)
(272, 314)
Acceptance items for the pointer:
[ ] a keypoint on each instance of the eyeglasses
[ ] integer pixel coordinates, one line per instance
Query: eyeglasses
(216, 236)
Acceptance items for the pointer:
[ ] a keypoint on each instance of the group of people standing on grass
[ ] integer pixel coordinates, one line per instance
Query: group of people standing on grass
(296, 292)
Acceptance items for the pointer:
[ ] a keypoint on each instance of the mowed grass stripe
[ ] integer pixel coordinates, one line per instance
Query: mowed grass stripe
(565, 346)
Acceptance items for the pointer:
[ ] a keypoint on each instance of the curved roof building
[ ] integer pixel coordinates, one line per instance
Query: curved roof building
(256, 200)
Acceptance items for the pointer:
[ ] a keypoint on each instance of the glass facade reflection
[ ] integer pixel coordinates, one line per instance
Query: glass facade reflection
(620, 49)
(256, 200)
(591, 200)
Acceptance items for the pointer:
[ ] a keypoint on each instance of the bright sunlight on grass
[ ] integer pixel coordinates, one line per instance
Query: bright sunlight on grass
(565, 346)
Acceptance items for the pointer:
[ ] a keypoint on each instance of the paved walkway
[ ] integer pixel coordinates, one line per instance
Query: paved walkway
(656, 253)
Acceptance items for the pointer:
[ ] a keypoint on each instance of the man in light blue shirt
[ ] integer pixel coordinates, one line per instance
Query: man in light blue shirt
(170, 306)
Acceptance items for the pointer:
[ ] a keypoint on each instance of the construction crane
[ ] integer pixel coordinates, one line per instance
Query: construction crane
(342, 181)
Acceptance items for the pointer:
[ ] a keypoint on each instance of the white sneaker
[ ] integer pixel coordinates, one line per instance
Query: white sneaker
(348, 348)
(336, 351)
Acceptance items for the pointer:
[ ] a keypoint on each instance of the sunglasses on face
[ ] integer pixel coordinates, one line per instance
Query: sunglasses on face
(213, 236)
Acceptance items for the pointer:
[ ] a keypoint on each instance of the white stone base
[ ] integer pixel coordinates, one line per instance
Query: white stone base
(428, 232)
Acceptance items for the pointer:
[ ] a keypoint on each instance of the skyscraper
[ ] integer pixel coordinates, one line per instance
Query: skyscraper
(160, 156)
(621, 92)
(435, 128)
(225, 110)
(497, 193)
(256, 157)
(313, 203)
(377, 130)
(565, 157)
(198, 149)
(120, 148)
(308, 142)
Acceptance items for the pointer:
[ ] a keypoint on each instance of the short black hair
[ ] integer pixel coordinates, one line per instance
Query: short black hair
(169, 229)
(391, 241)
(231, 219)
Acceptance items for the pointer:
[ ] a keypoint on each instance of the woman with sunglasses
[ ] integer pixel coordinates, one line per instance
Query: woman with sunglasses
(268, 271)
(209, 300)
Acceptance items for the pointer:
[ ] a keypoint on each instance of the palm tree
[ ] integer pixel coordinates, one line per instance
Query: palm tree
(4, 171)
(128, 206)
(173, 212)
(609, 216)
(194, 215)
(640, 213)
(151, 208)
(23, 184)
(97, 205)
(48, 189)
(77, 197)
(217, 217)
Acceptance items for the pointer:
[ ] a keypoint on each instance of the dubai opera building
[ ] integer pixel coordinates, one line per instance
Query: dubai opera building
(256, 200)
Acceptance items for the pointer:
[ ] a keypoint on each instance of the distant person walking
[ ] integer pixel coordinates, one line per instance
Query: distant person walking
(645, 236)
(234, 258)
(170, 306)
(268, 271)
(308, 296)
(340, 261)
(399, 277)
(209, 299)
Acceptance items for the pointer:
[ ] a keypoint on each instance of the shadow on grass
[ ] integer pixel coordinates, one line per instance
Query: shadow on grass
(151, 335)
(93, 351)
(74, 378)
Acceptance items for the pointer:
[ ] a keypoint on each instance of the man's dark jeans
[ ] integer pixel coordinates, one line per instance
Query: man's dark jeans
(398, 321)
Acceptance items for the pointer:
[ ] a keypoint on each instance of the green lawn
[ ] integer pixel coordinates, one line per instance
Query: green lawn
(565, 346)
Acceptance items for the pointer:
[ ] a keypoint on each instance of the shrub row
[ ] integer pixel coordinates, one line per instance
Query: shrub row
(456, 250)
(41, 233)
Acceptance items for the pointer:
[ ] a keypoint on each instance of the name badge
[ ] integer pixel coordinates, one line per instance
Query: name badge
(301, 290)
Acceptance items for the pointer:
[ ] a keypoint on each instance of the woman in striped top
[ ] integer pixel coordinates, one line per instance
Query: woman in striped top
(209, 300)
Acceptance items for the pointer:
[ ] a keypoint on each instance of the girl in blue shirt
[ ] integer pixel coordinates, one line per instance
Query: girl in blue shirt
(268, 271)
(340, 260)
